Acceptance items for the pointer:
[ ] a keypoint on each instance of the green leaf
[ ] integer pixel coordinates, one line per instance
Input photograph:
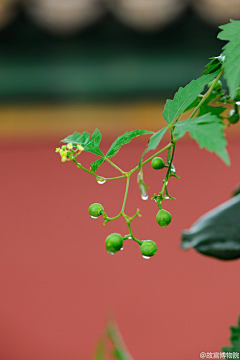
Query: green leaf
(214, 65)
(125, 139)
(207, 130)
(235, 340)
(100, 353)
(91, 145)
(231, 33)
(205, 108)
(95, 165)
(154, 141)
(185, 96)
(216, 233)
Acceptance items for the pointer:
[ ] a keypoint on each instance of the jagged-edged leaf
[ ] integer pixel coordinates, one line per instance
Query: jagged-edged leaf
(125, 139)
(206, 108)
(216, 233)
(235, 340)
(91, 145)
(154, 141)
(185, 96)
(95, 165)
(194, 103)
(207, 130)
(77, 138)
(231, 33)
(214, 65)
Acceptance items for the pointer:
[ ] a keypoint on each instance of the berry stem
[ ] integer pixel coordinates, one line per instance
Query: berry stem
(207, 93)
(126, 193)
(114, 165)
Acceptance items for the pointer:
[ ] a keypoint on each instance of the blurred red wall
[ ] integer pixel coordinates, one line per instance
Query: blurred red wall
(58, 284)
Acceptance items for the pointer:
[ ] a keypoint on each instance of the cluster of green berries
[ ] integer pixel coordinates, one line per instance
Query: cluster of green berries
(67, 152)
(114, 242)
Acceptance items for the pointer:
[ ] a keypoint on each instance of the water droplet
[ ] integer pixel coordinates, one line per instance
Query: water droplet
(93, 217)
(101, 180)
(167, 198)
(146, 257)
(109, 252)
(173, 170)
(238, 103)
(129, 237)
(144, 196)
(121, 248)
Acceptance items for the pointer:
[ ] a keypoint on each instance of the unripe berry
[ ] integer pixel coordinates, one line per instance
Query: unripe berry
(95, 210)
(217, 87)
(233, 116)
(158, 163)
(148, 248)
(114, 243)
(163, 218)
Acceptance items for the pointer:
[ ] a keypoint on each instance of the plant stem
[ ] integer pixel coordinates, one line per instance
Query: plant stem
(125, 196)
(207, 93)
(97, 176)
(114, 165)
(169, 169)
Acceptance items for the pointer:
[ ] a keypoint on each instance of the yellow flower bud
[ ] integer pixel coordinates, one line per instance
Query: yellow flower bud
(63, 158)
(80, 147)
(69, 146)
(64, 147)
(57, 150)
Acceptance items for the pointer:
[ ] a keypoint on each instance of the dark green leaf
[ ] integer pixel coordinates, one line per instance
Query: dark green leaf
(95, 165)
(235, 340)
(194, 103)
(185, 96)
(91, 145)
(216, 233)
(231, 33)
(124, 139)
(206, 108)
(207, 130)
(214, 65)
(154, 141)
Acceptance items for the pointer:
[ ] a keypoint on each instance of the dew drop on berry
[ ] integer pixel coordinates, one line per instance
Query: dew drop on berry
(109, 252)
(101, 180)
(144, 196)
(146, 257)
(93, 217)
(121, 248)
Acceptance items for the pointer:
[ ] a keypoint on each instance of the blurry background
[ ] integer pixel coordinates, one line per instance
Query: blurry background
(76, 65)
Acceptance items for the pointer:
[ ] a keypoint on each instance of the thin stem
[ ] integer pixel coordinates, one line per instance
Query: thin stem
(130, 231)
(151, 157)
(125, 196)
(207, 93)
(114, 165)
(97, 176)
(168, 172)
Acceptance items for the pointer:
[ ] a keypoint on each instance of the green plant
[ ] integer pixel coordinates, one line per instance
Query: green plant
(205, 123)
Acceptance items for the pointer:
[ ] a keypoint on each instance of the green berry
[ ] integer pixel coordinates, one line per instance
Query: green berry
(114, 243)
(163, 217)
(217, 87)
(148, 248)
(237, 96)
(96, 210)
(158, 163)
(233, 116)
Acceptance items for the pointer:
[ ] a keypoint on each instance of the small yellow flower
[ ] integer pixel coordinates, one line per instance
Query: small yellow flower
(80, 147)
(69, 146)
(64, 147)
(62, 153)
(57, 150)
(63, 158)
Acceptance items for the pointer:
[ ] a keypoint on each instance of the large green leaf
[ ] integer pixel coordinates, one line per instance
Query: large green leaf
(125, 139)
(235, 340)
(91, 145)
(231, 33)
(216, 233)
(207, 130)
(154, 141)
(185, 96)
(206, 108)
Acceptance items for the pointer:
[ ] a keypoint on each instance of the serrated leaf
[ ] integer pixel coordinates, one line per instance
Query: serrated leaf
(95, 165)
(235, 340)
(154, 141)
(207, 130)
(185, 96)
(214, 65)
(206, 108)
(91, 145)
(125, 139)
(231, 33)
